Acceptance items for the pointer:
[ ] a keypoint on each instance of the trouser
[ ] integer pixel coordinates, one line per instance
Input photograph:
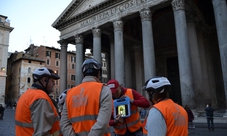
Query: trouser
(1, 115)
(136, 133)
(210, 123)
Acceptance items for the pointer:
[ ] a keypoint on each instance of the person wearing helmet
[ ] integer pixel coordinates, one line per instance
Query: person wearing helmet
(128, 126)
(88, 106)
(35, 112)
(61, 101)
(165, 118)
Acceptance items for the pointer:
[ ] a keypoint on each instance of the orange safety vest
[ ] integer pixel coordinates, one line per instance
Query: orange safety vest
(132, 122)
(23, 122)
(175, 116)
(83, 103)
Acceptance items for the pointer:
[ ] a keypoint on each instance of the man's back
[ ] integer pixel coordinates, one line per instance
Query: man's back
(91, 104)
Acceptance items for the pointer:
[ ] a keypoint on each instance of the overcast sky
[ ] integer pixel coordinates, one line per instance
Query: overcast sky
(32, 20)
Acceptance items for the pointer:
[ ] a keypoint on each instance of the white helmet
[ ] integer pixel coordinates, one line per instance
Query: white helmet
(44, 72)
(157, 84)
(61, 98)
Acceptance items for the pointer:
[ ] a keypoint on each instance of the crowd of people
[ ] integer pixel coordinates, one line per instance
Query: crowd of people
(88, 109)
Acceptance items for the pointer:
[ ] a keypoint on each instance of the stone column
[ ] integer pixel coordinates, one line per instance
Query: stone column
(79, 58)
(148, 44)
(208, 77)
(112, 61)
(196, 60)
(63, 65)
(139, 75)
(119, 52)
(220, 14)
(187, 90)
(128, 66)
(97, 45)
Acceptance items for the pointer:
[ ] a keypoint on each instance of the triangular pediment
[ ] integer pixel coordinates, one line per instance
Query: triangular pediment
(75, 8)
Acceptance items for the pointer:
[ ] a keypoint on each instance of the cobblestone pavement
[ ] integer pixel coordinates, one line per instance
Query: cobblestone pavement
(7, 127)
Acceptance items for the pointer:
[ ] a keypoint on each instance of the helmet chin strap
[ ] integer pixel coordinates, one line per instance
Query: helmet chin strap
(45, 88)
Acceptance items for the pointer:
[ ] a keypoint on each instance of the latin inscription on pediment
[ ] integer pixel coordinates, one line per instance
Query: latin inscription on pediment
(119, 9)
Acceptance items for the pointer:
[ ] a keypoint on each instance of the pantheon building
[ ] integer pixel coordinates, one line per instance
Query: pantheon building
(183, 40)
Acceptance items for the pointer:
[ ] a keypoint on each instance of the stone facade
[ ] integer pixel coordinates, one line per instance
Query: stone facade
(5, 30)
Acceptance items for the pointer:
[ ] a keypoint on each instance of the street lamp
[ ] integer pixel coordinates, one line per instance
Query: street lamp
(3, 69)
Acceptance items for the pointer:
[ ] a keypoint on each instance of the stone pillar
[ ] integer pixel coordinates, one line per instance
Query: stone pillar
(196, 62)
(79, 58)
(119, 52)
(128, 66)
(220, 14)
(63, 65)
(112, 59)
(148, 44)
(139, 74)
(207, 67)
(97, 45)
(187, 91)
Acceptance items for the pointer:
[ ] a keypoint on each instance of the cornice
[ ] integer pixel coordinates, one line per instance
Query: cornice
(63, 22)
(6, 27)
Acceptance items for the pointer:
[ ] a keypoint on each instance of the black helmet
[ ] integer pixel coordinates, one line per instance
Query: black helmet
(44, 72)
(91, 67)
(157, 84)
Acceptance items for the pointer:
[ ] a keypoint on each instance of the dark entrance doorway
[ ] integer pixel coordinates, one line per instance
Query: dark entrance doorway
(173, 76)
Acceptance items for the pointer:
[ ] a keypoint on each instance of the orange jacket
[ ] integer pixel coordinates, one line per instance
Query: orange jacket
(132, 122)
(83, 106)
(175, 116)
(23, 122)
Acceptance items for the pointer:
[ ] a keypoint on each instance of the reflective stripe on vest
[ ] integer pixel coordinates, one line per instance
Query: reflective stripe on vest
(83, 118)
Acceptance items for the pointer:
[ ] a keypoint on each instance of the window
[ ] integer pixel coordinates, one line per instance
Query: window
(73, 77)
(73, 59)
(57, 92)
(48, 53)
(72, 86)
(48, 62)
(68, 86)
(57, 63)
(29, 80)
(29, 70)
(73, 66)
(56, 82)
(57, 55)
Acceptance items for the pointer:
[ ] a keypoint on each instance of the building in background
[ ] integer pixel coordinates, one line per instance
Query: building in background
(19, 75)
(5, 30)
(22, 64)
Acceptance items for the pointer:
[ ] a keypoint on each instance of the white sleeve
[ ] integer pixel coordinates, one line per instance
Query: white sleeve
(156, 125)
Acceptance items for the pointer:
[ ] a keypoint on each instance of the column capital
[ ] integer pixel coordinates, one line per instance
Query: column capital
(118, 25)
(79, 39)
(63, 43)
(96, 32)
(178, 5)
(145, 14)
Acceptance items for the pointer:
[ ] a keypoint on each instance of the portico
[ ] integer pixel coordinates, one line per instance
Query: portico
(146, 38)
